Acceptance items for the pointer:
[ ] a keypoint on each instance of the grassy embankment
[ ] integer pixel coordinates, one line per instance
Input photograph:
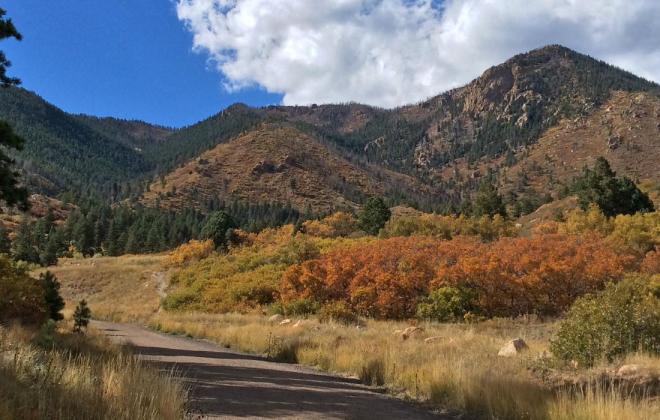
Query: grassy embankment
(61, 375)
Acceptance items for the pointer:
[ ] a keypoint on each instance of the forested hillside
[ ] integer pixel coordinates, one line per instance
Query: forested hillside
(505, 128)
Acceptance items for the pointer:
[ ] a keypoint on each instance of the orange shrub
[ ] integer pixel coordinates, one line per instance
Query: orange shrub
(511, 276)
(651, 263)
(543, 274)
(335, 225)
(192, 251)
(383, 279)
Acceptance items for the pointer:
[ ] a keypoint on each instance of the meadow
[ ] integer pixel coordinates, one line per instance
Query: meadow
(327, 296)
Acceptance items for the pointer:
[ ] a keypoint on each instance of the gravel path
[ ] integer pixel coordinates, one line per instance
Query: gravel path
(228, 385)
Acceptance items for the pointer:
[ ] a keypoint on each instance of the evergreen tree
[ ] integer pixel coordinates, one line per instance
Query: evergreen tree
(54, 301)
(488, 201)
(81, 316)
(612, 194)
(48, 255)
(10, 192)
(374, 215)
(5, 242)
(216, 228)
(24, 245)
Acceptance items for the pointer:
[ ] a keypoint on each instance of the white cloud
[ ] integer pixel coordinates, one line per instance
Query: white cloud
(392, 52)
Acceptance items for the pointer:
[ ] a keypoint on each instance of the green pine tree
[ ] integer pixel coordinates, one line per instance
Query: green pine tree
(374, 215)
(216, 227)
(5, 242)
(24, 247)
(613, 195)
(81, 316)
(488, 201)
(10, 191)
(54, 301)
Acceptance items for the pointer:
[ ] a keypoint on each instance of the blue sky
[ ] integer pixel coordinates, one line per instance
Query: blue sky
(130, 59)
(134, 58)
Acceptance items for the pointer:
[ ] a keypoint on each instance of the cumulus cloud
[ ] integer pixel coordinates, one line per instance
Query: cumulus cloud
(393, 52)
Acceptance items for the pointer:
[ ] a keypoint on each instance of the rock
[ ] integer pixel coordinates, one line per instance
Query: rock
(629, 370)
(433, 339)
(513, 347)
(275, 318)
(410, 331)
(285, 322)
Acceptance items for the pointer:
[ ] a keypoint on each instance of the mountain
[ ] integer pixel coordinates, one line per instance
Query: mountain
(530, 123)
(64, 151)
(275, 162)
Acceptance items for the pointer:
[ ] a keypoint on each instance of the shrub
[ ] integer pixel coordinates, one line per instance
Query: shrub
(622, 319)
(301, 307)
(373, 372)
(446, 304)
(651, 263)
(383, 279)
(21, 297)
(335, 225)
(298, 250)
(541, 275)
(447, 227)
(338, 312)
(189, 252)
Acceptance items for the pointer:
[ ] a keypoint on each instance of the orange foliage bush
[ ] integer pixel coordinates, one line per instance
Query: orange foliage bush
(383, 279)
(335, 225)
(543, 274)
(192, 251)
(510, 276)
(651, 263)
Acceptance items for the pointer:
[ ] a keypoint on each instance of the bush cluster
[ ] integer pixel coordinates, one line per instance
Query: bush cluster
(622, 319)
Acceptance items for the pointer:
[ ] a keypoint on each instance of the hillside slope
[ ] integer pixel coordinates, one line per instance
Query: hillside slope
(61, 151)
(272, 163)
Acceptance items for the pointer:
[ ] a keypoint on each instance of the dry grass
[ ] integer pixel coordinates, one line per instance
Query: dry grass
(460, 371)
(116, 288)
(80, 377)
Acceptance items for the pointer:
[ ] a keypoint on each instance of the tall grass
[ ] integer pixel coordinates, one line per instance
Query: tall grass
(459, 371)
(75, 377)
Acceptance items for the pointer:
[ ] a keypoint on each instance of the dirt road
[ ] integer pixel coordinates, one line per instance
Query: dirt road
(230, 385)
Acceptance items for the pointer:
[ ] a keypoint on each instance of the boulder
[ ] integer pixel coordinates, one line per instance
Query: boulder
(275, 318)
(629, 370)
(433, 339)
(410, 331)
(513, 348)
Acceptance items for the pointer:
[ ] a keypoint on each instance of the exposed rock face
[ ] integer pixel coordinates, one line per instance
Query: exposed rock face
(513, 348)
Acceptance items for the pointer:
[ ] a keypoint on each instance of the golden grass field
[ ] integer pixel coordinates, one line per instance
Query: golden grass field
(82, 377)
(121, 289)
(459, 372)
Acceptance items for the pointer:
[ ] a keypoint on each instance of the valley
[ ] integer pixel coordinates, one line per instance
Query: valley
(490, 252)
